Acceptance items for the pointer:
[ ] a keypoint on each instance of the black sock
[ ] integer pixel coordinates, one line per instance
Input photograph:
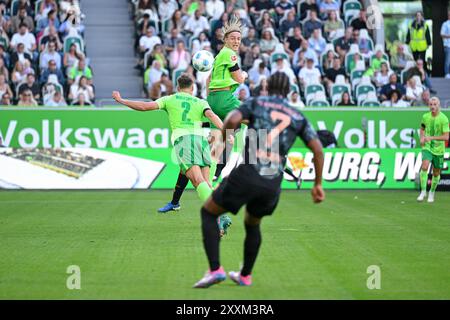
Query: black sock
(252, 243)
(224, 157)
(211, 238)
(179, 188)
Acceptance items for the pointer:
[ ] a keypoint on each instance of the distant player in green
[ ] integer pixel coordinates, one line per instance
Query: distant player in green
(434, 131)
(185, 117)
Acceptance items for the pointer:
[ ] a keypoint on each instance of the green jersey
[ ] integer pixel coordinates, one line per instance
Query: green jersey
(185, 113)
(221, 74)
(435, 126)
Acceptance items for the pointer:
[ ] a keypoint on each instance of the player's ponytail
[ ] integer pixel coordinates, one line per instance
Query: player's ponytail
(279, 84)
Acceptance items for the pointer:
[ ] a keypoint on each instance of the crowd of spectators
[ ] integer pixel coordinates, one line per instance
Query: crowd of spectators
(326, 48)
(42, 54)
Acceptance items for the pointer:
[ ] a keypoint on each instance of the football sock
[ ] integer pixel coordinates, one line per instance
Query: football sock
(212, 170)
(423, 180)
(179, 188)
(239, 140)
(211, 238)
(252, 243)
(204, 191)
(434, 183)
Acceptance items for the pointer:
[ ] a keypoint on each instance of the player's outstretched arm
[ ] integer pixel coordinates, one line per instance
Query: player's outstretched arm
(133, 104)
(317, 192)
(214, 118)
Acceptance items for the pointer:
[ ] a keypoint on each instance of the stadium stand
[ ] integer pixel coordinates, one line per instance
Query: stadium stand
(43, 52)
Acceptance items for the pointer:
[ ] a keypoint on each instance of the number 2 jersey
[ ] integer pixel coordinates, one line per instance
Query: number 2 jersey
(185, 114)
(273, 127)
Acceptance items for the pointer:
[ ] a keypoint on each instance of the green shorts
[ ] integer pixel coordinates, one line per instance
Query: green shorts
(436, 161)
(222, 103)
(192, 150)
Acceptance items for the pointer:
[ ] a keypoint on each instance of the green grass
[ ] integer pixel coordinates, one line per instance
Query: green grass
(127, 251)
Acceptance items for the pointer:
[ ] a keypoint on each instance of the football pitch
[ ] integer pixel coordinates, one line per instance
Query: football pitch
(125, 250)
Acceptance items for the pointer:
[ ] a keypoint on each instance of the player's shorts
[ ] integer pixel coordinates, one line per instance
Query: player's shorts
(192, 150)
(222, 103)
(244, 186)
(436, 161)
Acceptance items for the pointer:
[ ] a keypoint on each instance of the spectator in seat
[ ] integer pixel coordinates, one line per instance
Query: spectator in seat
(50, 54)
(196, 24)
(51, 36)
(295, 101)
(364, 47)
(268, 41)
(5, 100)
(5, 56)
(4, 86)
(25, 37)
(190, 6)
(262, 89)
(317, 42)
(72, 57)
(52, 69)
(328, 60)
(381, 77)
(445, 34)
(166, 9)
(400, 58)
(180, 58)
(360, 22)
(346, 100)
(46, 6)
(309, 74)
(158, 54)
(21, 18)
(413, 90)
(27, 100)
(418, 37)
(82, 86)
(258, 70)
(163, 87)
(328, 6)
(202, 41)
(376, 64)
(70, 23)
(332, 73)
(5, 22)
(391, 86)
(248, 41)
(260, 6)
(153, 74)
(308, 5)
(20, 72)
(343, 44)
(20, 55)
(265, 22)
(310, 25)
(141, 28)
(171, 42)
(216, 41)
(293, 43)
(424, 100)
(214, 9)
(177, 21)
(251, 56)
(282, 6)
(56, 100)
(288, 24)
(283, 66)
(419, 70)
(31, 85)
(51, 20)
(81, 70)
(148, 41)
(353, 62)
(309, 53)
(4, 70)
(395, 100)
(243, 92)
(81, 101)
(331, 25)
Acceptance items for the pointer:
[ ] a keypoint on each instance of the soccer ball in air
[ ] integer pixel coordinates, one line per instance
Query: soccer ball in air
(203, 60)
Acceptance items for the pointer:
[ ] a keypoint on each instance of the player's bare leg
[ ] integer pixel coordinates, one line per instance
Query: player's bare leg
(434, 183)
(211, 241)
(252, 244)
(423, 180)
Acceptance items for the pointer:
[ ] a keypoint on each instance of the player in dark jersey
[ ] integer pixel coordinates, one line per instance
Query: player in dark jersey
(256, 183)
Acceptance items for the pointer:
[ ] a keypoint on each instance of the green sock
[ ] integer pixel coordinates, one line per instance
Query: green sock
(204, 191)
(239, 139)
(434, 183)
(423, 180)
(212, 170)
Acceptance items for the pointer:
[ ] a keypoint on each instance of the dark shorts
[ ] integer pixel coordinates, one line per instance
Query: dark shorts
(244, 186)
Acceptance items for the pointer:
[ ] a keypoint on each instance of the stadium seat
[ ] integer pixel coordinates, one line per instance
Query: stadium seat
(409, 65)
(295, 88)
(351, 5)
(311, 90)
(363, 89)
(365, 35)
(165, 24)
(328, 47)
(356, 76)
(349, 56)
(319, 100)
(276, 55)
(37, 6)
(336, 92)
(73, 39)
(371, 100)
(14, 7)
(175, 74)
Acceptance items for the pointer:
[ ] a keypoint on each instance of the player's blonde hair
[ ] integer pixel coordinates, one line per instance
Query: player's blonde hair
(233, 25)
(437, 100)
